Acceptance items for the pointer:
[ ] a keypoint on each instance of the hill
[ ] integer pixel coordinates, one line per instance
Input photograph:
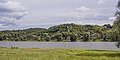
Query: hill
(63, 32)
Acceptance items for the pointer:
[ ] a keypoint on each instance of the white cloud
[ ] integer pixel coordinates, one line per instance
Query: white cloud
(84, 12)
(100, 1)
(80, 13)
(11, 11)
(83, 8)
(112, 18)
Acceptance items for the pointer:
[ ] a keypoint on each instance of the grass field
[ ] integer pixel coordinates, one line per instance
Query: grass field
(57, 54)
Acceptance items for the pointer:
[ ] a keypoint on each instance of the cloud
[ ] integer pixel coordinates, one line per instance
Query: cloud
(83, 8)
(112, 18)
(82, 15)
(55, 12)
(100, 1)
(85, 12)
(10, 12)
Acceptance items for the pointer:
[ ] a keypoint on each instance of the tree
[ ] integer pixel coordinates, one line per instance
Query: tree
(112, 35)
(117, 22)
(73, 37)
(107, 26)
(47, 38)
(85, 37)
(58, 36)
(1, 38)
(104, 37)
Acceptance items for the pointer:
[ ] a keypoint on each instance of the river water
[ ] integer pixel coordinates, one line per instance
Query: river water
(79, 45)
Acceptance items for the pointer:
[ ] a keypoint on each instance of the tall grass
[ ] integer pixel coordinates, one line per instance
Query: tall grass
(57, 54)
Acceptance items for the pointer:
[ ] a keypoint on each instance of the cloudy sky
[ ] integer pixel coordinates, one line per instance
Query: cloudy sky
(21, 14)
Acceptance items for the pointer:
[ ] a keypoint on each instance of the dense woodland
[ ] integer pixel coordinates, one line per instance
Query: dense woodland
(64, 32)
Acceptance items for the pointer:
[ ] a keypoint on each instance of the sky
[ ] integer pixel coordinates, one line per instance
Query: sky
(22, 14)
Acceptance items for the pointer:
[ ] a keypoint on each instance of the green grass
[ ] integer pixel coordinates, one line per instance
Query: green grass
(57, 54)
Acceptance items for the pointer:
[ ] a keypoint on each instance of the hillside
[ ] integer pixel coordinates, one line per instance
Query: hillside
(63, 32)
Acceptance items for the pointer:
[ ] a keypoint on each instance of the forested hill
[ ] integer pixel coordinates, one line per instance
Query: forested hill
(63, 32)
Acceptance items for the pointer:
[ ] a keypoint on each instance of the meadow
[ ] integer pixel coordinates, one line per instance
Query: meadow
(57, 54)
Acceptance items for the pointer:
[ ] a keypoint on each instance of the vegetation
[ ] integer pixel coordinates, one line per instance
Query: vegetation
(57, 54)
(117, 23)
(64, 32)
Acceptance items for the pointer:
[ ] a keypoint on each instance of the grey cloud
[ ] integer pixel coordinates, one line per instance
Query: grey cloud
(11, 11)
(62, 11)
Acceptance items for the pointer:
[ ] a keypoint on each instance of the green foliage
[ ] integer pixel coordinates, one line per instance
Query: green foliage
(116, 24)
(69, 32)
(117, 27)
(86, 36)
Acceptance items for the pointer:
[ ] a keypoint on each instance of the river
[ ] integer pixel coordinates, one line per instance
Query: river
(79, 45)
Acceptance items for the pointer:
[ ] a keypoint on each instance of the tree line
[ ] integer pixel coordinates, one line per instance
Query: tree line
(64, 32)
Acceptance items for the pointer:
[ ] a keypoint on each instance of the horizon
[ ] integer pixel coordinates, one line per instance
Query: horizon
(47, 27)
(17, 14)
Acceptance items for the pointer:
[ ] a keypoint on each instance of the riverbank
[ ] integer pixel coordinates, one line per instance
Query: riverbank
(57, 54)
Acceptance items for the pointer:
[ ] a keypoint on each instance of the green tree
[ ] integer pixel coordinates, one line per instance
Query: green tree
(73, 37)
(107, 26)
(86, 36)
(117, 22)
(58, 36)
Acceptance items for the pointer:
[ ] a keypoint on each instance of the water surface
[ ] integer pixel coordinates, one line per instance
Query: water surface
(80, 45)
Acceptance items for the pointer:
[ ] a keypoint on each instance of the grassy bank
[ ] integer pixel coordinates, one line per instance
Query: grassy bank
(56, 54)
